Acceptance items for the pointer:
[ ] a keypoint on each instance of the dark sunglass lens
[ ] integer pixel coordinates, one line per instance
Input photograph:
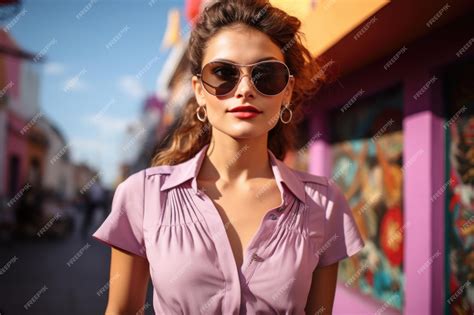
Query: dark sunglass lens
(270, 77)
(219, 78)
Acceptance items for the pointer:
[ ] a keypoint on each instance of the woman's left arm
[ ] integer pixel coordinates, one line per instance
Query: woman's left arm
(341, 239)
(323, 287)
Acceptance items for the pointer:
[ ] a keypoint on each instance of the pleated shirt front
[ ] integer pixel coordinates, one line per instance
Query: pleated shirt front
(160, 213)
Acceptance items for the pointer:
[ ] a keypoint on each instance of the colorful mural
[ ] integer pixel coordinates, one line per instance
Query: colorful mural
(460, 190)
(367, 147)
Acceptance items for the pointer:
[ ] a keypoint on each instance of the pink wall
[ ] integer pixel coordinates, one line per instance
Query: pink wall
(423, 132)
(13, 68)
(423, 176)
(16, 144)
(12, 65)
(320, 148)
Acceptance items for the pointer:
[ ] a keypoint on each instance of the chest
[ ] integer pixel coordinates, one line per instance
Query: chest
(187, 248)
(242, 212)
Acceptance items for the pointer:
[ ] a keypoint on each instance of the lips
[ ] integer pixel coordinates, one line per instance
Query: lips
(245, 112)
(245, 108)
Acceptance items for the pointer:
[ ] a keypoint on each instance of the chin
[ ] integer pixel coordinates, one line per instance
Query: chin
(245, 133)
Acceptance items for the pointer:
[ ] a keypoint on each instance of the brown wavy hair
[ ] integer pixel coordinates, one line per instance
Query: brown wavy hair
(191, 135)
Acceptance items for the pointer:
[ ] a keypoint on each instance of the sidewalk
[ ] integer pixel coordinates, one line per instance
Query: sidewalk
(56, 277)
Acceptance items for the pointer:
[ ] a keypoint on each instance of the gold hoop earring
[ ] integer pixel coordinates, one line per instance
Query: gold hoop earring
(198, 113)
(286, 107)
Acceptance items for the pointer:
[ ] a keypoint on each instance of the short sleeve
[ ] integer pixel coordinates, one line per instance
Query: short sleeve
(123, 227)
(341, 236)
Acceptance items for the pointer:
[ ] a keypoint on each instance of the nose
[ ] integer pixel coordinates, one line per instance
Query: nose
(245, 87)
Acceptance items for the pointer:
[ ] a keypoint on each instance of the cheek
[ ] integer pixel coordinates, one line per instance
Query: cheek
(215, 110)
(272, 116)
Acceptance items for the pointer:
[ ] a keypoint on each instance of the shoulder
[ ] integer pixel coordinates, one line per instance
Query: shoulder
(309, 178)
(320, 188)
(157, 170)
(131, 188)
(135, 182)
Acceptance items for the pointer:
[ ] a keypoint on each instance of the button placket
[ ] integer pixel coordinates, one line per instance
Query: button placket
(261, 239)
(259, 254)
(232, 277)
(256, 259)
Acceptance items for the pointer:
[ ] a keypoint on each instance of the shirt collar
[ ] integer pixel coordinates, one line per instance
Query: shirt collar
(189, 169)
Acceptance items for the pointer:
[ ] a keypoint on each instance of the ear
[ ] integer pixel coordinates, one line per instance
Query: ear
(289, 91)
(198, 91)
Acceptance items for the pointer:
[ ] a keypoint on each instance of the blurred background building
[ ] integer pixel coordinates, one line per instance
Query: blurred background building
(34, 153)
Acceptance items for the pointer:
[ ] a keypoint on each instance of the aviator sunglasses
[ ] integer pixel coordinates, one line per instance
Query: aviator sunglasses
(269, 77)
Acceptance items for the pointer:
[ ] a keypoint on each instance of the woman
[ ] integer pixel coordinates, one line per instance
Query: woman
(219, 222)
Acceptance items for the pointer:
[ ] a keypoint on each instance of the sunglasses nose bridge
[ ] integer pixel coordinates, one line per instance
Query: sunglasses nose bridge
(242, 72)
(248, 75)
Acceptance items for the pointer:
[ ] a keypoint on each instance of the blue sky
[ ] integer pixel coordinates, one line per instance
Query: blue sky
(101, 52)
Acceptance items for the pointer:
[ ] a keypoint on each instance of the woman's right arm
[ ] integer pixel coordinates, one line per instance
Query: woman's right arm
(128, 284)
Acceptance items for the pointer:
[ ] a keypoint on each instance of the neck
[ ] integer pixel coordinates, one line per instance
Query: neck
(236, 161)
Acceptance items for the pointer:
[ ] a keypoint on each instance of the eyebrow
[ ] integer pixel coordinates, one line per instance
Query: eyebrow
(261, 59)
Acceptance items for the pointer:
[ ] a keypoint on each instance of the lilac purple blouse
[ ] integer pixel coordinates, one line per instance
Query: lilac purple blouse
(159, 213)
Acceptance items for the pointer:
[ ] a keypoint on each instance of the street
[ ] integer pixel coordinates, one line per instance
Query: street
(67, 276)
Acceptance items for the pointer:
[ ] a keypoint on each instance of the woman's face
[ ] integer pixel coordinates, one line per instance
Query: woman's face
(242, 45)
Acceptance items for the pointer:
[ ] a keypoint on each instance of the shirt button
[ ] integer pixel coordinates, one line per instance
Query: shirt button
(273, 216)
